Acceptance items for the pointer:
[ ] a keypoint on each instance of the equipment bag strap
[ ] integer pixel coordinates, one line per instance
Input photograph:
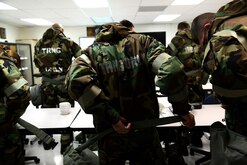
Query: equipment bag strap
(134, 125)
(58, 80)
(15, 86)
(39, 133)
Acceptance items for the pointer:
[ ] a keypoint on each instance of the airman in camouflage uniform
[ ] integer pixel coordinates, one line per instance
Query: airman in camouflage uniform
(14, 99)
(188, 52)
(225, 35)
(115, 80)
(53, 55)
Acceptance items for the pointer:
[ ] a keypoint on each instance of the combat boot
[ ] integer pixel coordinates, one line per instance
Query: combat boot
(183, 142)
(173, 155)
(65, 141)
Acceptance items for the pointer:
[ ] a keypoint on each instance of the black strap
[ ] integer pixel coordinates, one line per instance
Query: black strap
(39, 133)
(134, 125)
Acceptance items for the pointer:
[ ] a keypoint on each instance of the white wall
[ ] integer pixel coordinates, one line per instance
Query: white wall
(74, 33)
(36, 33)
(11, 32)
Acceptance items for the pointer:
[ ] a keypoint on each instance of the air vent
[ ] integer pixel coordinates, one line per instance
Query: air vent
(151, 8)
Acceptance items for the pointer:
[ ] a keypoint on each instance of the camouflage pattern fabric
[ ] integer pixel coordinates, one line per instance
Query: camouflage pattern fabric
(187, 51)
(53, 94)
(150, 152)
(13, 103)
(118, 68)
(226, 61)
(191, 55)
(115, 76)
(53, 55)
(77, 156)
(232, 9)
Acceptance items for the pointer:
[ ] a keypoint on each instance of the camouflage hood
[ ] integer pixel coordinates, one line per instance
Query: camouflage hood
(232, 9)
(5, 55)
(51, 34)
(111, 32)
(186, 33)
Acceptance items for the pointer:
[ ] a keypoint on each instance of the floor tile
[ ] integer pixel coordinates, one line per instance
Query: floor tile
(53, 157)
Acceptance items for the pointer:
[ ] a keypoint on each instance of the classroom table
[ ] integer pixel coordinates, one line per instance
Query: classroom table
(204, 117)
(209, 114)
(83, 122)
(49, 119)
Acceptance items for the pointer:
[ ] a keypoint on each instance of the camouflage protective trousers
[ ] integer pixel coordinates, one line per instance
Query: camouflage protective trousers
(140, 147)
(11, 146)
(13, 155)
(236, 117)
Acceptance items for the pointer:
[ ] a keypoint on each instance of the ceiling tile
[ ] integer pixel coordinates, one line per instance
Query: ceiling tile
(66, 11)
(151, 8)
(123, 3)
(70, 13)
(102, 12)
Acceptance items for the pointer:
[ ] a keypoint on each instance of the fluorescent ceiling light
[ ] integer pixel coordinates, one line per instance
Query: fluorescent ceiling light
(92, 3)
(166, 18)
(37, 21)
(4, 6)
(100, 20)
(186, 2)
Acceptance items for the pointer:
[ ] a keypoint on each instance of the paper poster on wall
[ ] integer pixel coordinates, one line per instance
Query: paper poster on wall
(86, 41)
(2, 33)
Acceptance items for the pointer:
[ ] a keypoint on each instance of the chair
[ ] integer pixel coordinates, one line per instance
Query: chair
(34, 158)
(35, 90)
(206, 157)
(206, 154)
(210, 98)
(29, 158)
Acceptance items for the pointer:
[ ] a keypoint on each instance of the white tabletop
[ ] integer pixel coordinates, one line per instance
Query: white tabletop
(209, 114)
(203, 117)
(49, 117)
(166, 111)
(83, 120)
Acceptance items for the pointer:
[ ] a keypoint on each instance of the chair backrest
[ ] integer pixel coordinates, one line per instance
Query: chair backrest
(211, 99)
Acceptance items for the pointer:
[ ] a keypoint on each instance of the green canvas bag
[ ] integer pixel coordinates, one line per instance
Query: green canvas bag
(227, 147)
(79, 156)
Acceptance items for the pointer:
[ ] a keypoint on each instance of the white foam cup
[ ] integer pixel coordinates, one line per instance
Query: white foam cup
(65, 108)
